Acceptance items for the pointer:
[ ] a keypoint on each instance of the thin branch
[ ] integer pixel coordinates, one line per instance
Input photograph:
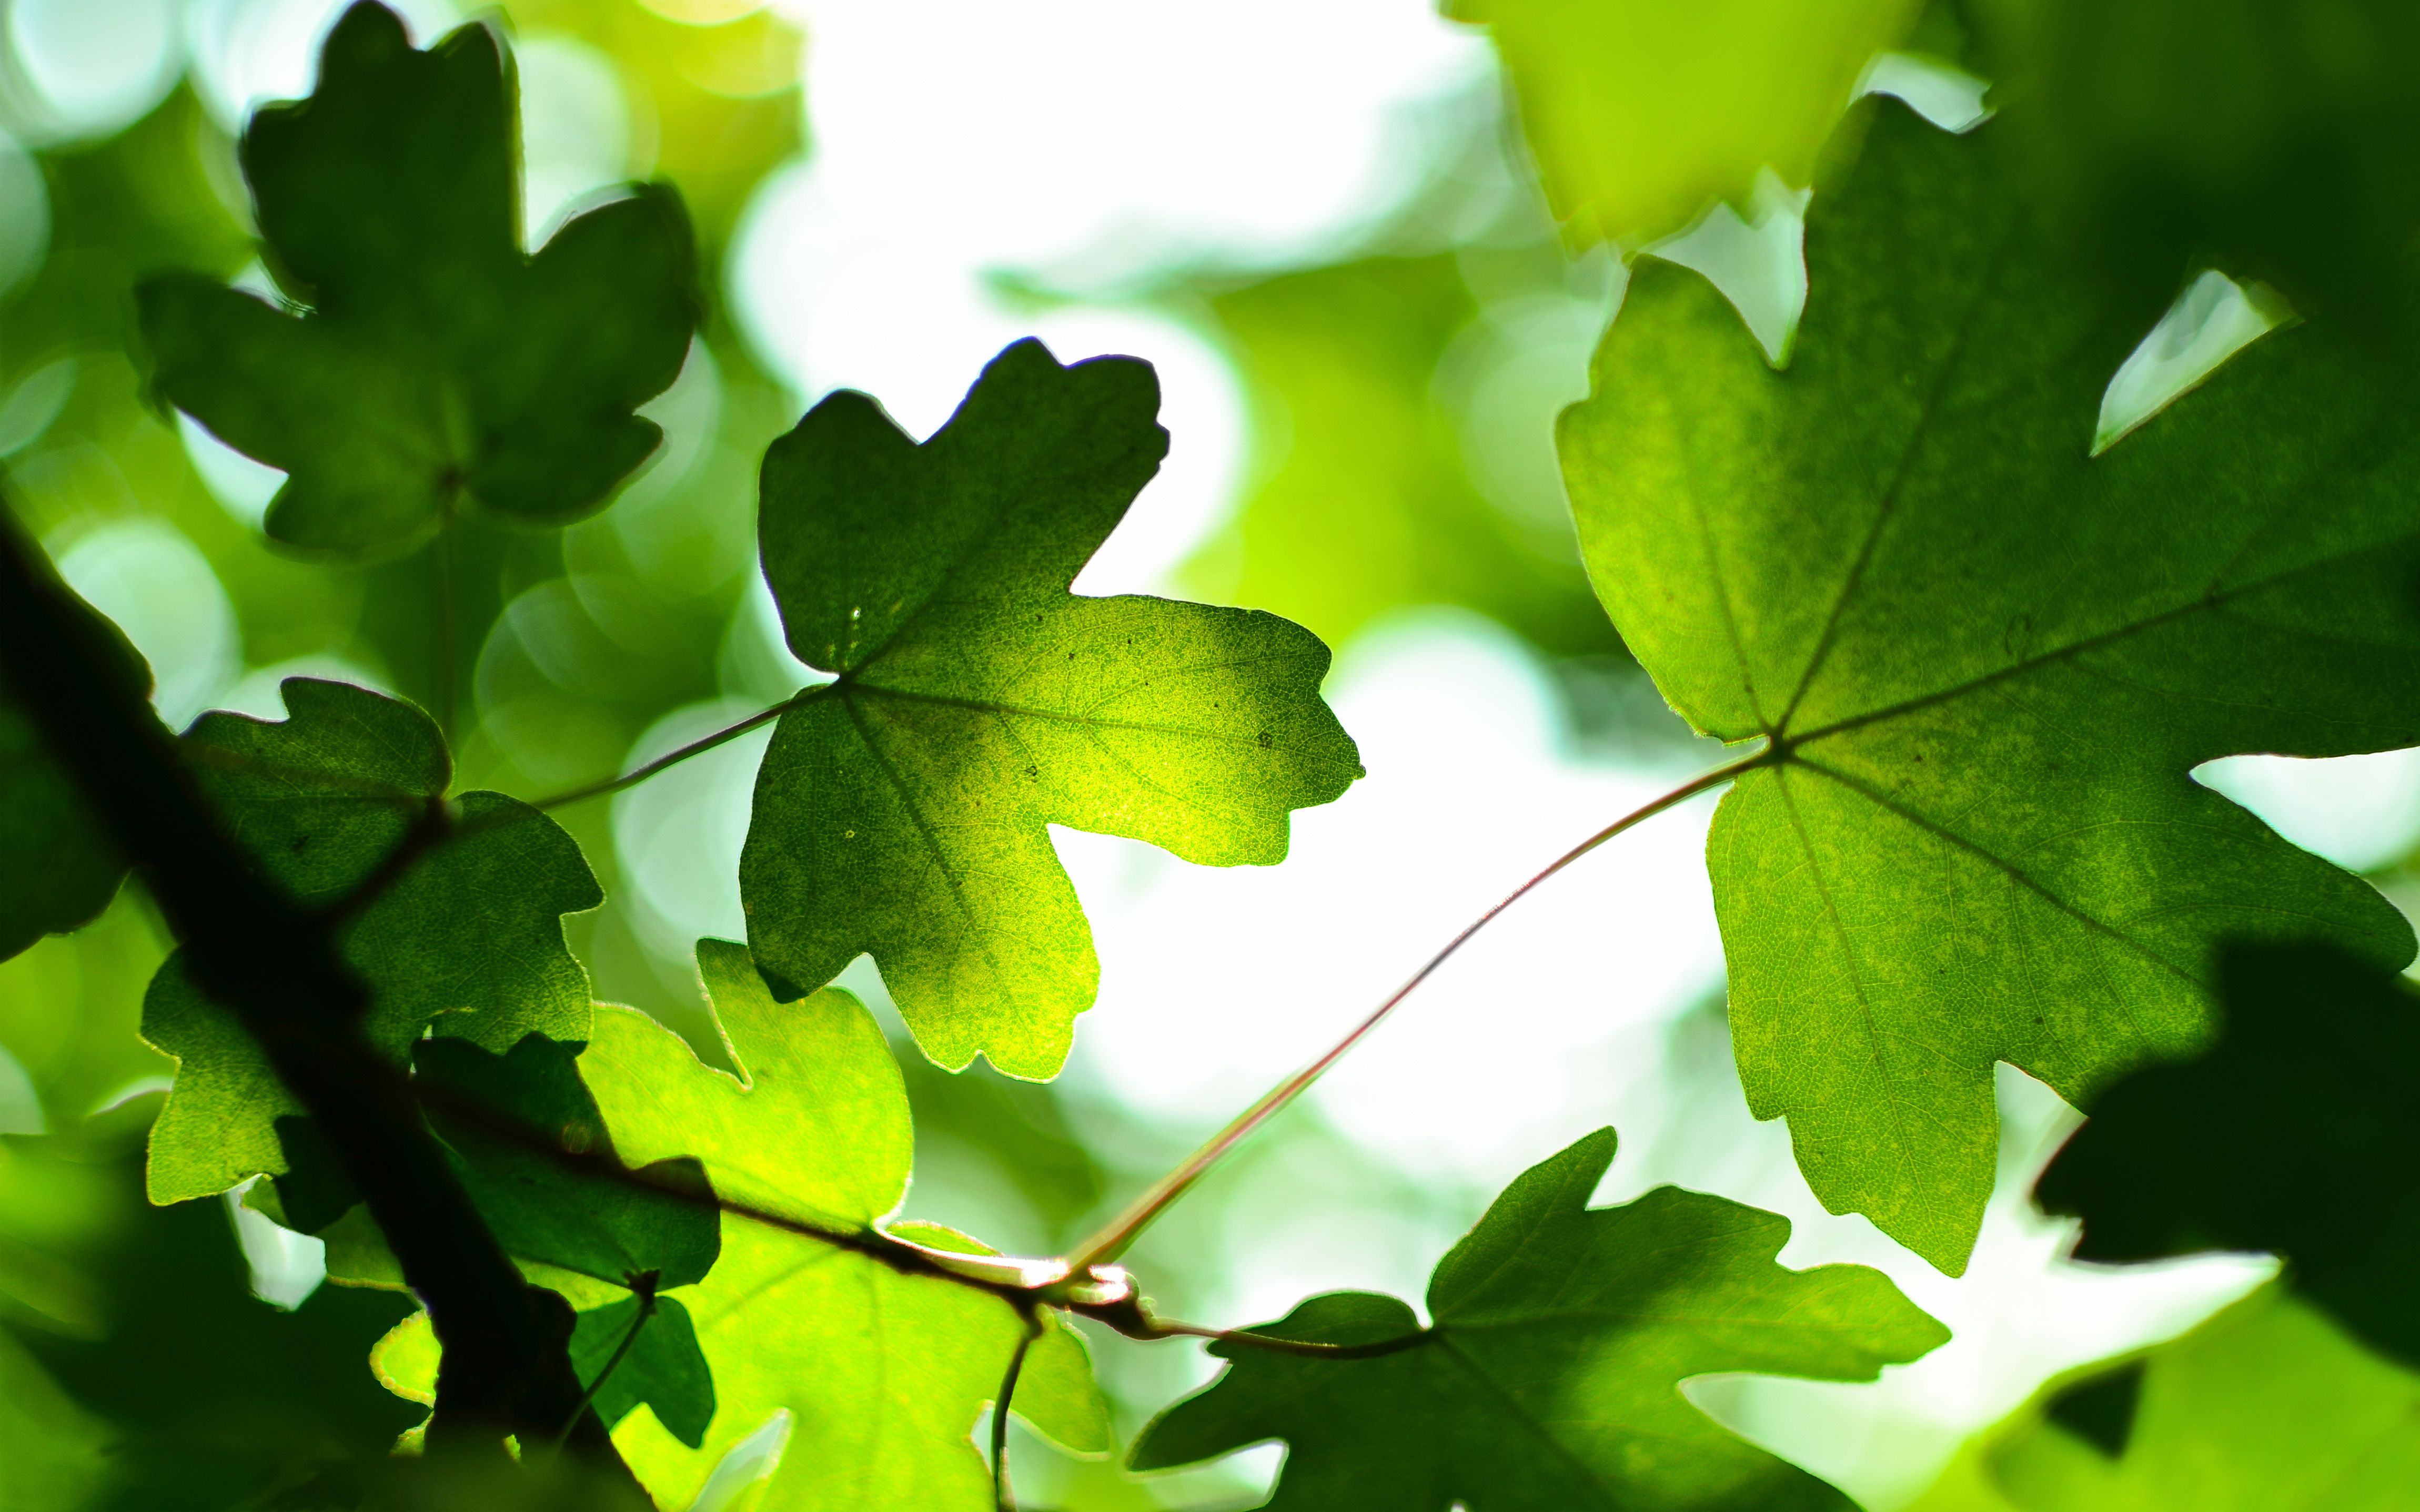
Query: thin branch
(1091, 1285)
(1002, 1499)
(1121, 1231)
(695, 748)
(436, 826)
(275, 967)
(1275, 1344)
(1106, 1294)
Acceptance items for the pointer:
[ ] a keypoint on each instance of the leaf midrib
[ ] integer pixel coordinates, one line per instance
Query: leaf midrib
(1887, 507)
(2209, 600)
(1047, 716)
(932, 847)
(1511, 1406)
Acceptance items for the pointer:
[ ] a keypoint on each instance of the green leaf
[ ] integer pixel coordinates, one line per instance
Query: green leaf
(2266, 1406)
(2296, 1134)
(468, 939)
(63, 867)
(1549, 1375)
(203, 1396)
(541, 1210)
(1642, 115)
(1987, 661)
(2276, 136)
(438, 366)
(664, 1366)
(56, 1453)
(904, 811)
(883, 1373)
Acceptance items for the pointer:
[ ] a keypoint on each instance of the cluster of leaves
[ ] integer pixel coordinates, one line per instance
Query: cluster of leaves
(1978, 662)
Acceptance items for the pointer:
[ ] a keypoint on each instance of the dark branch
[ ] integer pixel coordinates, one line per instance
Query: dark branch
(275, 967)
(1004, 1500)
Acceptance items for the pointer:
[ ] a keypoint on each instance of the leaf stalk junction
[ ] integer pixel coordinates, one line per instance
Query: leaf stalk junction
(1088, 1282)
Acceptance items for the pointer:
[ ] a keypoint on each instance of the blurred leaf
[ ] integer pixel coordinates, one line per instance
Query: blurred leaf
(439, 365)
(2274, 135)
(905, 813)
(62, 868)
(724, 98)
(468, 939)
(1987, 661)
(1548, 1377)
(2296, 1134)
(581, 1220)
(211, 1397)
(1642, 115)
(1021, 1125)
(52, 1452)
(2265, 1406)
(1362, 504)
(414, 1480)
(884, 1373)
(69, 1007)
(140, 200)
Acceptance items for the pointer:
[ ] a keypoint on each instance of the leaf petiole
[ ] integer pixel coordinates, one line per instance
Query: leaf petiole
(1002, 1499)
(647, 1294)
(695, 748)
(1121, 1232)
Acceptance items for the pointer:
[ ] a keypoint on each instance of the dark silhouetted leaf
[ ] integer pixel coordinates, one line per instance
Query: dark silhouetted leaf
(664, 1366)
(205, 1396)
(2275, 134)
(906, 811)
(488, 1109)
(1549, 1377)
(438, 366)
(2298, 1133)
(62, 869)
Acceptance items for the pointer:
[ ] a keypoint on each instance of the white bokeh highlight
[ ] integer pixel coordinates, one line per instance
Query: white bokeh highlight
(1082, 147)
(83, 68)
(2359, 811)
(245, 54)
(157, 586)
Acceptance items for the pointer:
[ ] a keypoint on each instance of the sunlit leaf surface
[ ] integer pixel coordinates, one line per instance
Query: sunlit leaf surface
(884, 1374)
(906, 811)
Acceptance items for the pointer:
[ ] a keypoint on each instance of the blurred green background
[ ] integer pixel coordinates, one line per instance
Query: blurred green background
(1366, 317)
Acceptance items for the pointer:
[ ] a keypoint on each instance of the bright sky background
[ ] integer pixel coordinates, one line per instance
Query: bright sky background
(964, 147)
